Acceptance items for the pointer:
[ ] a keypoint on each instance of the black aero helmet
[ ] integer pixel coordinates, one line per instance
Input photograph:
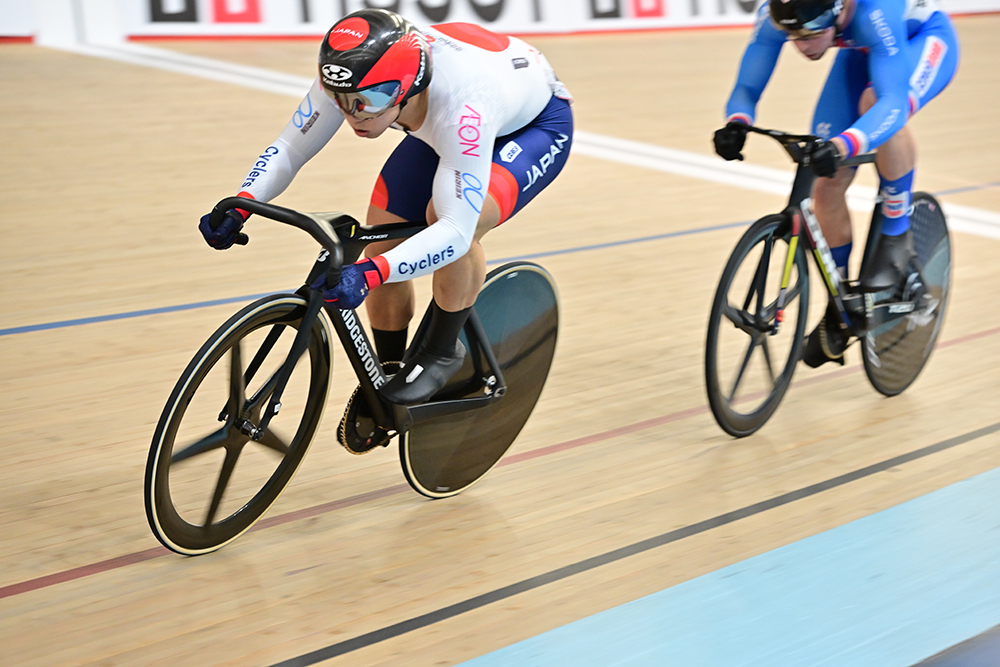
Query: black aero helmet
(372, 60)
(805, 18)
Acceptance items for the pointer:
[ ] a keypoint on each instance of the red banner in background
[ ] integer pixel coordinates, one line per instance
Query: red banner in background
(314, 17)
(648, 8)
(237, 11)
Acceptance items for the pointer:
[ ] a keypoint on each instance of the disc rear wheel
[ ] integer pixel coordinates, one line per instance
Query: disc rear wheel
(896, 352)
(519, 312)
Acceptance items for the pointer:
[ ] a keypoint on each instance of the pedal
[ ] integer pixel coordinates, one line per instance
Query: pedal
(913, 289)
(912, 301)
(925, 310)
(358, 432)
(854, 304)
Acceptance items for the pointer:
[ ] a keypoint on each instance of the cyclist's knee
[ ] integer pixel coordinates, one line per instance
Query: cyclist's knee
(377, 216)
(836, 187)
(489, 218)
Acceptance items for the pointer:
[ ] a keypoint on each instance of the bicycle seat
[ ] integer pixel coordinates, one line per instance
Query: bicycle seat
(334, 218)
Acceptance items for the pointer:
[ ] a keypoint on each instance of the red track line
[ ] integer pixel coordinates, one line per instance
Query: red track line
(149, 554)
(966, 339)
(323, 508)
(81, 572)
(604, 435)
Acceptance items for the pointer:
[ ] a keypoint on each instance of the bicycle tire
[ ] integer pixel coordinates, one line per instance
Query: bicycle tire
(751, 325)
(518, 307)
(896, 353)
(175, 465)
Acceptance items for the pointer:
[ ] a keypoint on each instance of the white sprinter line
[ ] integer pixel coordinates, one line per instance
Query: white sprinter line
(963, 219)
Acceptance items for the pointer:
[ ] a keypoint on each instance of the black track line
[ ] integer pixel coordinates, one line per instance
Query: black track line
(471, 604)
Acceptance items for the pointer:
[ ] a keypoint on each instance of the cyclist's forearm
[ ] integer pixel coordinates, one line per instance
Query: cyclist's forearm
(270, 174)
(312, 125)
(889, 113)
(439, 245)
(755, 71)
(889, 74)
(742, 106)
(877, 126)
(459, 193)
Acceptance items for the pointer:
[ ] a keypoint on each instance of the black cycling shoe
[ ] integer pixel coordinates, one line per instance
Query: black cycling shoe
(889, 264)
(827, 342)
(422, 376)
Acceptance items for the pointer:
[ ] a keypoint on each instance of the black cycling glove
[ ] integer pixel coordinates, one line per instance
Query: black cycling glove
(825, 159)
(730, 139)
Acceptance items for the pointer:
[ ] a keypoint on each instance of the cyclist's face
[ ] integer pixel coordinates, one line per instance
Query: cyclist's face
(371, 128)
(814, 47)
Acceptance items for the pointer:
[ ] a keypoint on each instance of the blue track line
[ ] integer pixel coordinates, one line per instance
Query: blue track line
(552, 253)
(124, 316)
(970, 188)
(31, 328)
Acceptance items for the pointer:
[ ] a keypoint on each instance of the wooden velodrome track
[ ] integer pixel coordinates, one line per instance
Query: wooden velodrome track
(109, 165)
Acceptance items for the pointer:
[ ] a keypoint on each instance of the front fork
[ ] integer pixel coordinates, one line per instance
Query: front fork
(786, 276)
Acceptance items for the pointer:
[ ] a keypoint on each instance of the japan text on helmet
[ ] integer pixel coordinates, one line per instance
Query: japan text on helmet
(372, 60)
(805, 18)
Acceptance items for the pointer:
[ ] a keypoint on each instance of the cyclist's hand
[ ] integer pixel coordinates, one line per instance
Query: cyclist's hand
(730, 139)
(825, 159)
(355, 282)
(227, 233)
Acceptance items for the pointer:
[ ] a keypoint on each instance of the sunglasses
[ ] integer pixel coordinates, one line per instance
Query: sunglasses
(369, 102)
(813, 27)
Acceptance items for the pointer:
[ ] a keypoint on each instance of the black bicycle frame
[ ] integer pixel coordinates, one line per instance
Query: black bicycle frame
(343, 239)
(802, 220)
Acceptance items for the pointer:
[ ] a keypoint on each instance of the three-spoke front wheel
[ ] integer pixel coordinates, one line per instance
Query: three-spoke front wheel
(208, 480)
(750, 353)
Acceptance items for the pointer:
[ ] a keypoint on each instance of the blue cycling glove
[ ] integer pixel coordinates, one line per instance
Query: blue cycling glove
(227, 233)
(355, 282)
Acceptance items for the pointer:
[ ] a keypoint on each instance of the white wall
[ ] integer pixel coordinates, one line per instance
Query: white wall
(107, 21)
(16, 19)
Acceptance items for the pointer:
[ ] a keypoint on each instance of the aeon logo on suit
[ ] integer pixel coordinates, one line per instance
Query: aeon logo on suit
(223, 11)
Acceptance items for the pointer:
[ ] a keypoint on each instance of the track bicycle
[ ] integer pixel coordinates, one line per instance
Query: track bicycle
(757, 325)
(244, 411)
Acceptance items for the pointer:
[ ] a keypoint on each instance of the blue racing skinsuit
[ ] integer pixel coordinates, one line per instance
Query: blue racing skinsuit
(907, 50)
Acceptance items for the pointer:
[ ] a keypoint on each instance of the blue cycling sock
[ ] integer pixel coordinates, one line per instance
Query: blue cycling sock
(840, 256)
(895, 204)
